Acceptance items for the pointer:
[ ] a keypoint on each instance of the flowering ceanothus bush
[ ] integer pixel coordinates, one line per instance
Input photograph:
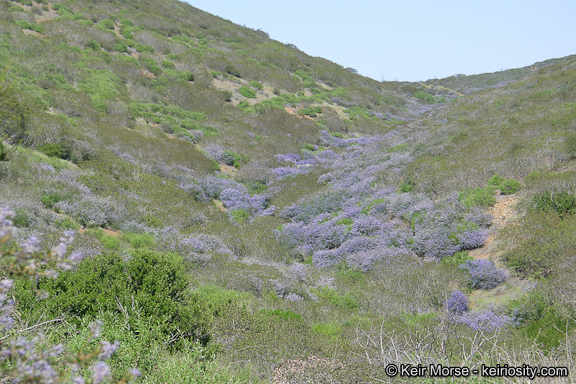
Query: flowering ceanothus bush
(484, 274)
(208, 188)
(90, 211)
(169, 239)
(29, 360)
(298, 165)
(486, 320)
(234, 196)
(457, 303)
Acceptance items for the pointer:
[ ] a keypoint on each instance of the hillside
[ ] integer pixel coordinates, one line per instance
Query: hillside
(230, 209)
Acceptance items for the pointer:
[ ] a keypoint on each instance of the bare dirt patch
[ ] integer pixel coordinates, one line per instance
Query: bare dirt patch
(228, 170)
(503, 214)
(294, 111)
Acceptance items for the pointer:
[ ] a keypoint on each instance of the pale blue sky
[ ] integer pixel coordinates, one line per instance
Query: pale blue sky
(411, 40)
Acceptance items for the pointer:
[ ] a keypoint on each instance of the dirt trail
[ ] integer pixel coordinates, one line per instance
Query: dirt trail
(503, 214)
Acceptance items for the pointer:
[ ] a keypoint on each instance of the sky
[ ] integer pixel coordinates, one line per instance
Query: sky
(413, 40)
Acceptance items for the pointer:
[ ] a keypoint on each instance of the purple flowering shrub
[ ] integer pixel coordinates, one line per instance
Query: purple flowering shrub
(457, 303)
(285, 172)
(169, 239)
(486, 320)
(90, 211)
(326, 202)
(233, 195)
(296, 165)
(435, 242)
(440, 228)
(207, 188)
(356, 217)
(322, 233)
(24, 359)
(484, 274)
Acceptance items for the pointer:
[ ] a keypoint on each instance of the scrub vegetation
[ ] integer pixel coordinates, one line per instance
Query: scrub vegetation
(184, 200)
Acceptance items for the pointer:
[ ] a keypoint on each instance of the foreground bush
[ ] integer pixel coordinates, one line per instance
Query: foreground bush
(33, 360)
(154, 282)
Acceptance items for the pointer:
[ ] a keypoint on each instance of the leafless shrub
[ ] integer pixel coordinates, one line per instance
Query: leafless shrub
(444, 341)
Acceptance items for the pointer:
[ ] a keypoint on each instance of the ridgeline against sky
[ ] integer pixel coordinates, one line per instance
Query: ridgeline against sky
(417, 39)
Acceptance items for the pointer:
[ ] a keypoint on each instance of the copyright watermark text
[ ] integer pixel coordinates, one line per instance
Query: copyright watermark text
(500, 370)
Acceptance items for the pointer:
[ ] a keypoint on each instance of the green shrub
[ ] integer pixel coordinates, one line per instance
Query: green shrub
(537, 315)
(247, 92)
(214, 165)
(21, 219)
(256, 186)
(349, 275)
(506, 186)
(27, 25)
(127, 34)
(347, 300)
(421, 95)
(50, 199)
(186, 75)
(407, 187)
(495, 181)
(308, 147)
(94, 45)
(232, 158)
(310, 111)
(256, 85)
(109, 24)
(102, 86)
(232, 71)
(563, 203)
(137, 240)
(121, 47)
(152, 66)
(332, 329)
(153, 281)
(240, 215)
(478, 197)
(345, 221)
(428, 98)
(168, 64)
(144, 48)
(52, 150)
(284, 314)
(110, 242)
(194, 365)
(456, 259)
(68, 223)
(543, 241)
(127, 22)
